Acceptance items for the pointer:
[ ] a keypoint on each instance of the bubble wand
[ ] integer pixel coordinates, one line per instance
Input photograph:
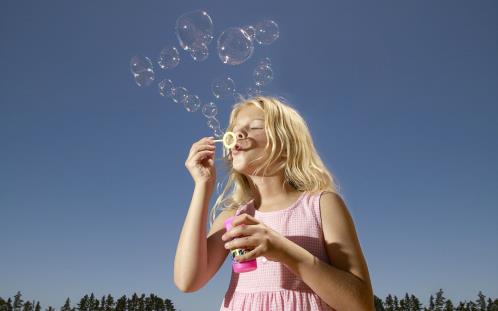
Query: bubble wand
(229, 141)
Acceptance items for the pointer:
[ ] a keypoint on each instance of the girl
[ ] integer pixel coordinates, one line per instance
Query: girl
(287, 213)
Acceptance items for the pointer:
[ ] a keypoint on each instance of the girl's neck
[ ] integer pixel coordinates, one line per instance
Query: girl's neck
(272, 193)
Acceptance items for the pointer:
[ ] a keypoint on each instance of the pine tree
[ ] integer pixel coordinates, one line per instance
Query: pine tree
(37, 307)
(481, 302)
(431, 304)
(83, 305)
(28, 306)
(378, 304)
(169, 305)
(109, 303)
(448, 306)
(439, 304)
(50, 308)
(67, 305)
(121, 304)
(18, 302)
(415, 303)
(389, 303)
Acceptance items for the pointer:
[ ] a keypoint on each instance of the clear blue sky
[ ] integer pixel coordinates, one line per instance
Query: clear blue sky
(401, 98)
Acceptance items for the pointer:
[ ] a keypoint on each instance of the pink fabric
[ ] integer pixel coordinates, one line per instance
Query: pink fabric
(272, 286)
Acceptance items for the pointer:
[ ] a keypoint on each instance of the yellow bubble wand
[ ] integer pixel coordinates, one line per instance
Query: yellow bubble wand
(229, 141)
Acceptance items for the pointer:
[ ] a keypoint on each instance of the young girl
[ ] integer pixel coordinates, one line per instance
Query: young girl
(288, 215)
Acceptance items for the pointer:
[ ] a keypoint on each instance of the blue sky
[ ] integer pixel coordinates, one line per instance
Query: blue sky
(401, 99)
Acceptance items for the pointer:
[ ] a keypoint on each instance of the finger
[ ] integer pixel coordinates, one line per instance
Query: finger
(200, 147)
(246, 242)
(202, 155)
(256, 252)
(242, 230)
(244, 219)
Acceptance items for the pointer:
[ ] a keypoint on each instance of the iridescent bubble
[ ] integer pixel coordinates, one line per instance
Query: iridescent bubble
(193, 29)
(209, 110)
(199, 53)
(169, 57)
(166, 87)
(142, 70)
(262, 75)
(266, 32)
(213, 123)
(234, 46)
(178, 94)
(223, 87)
(191, 102)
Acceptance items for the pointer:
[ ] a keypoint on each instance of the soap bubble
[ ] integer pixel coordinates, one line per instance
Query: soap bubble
(218, 133)
(142, 70)
(234, 46)
(200, 52)
(169, 57)
(265, 61)
(209, 110)
(253, 91)
(213, 123)
(178, 94)
(266, 32)
(166, 88)
(193, 29)
(191, 102)
(251, 32)
(223, 87)
(262, 75)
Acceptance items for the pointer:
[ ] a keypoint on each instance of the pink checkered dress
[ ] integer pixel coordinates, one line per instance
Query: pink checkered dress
(272, 286)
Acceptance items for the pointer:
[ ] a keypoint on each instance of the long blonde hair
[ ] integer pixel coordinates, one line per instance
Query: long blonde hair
(291, 149)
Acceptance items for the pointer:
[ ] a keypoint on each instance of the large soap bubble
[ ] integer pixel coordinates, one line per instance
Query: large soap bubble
(169, 57)
(194, 29)
(266, 32)
(234, 46)
(223, 87)
(142, 70)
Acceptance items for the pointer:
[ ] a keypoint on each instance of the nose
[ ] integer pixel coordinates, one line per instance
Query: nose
(239, 134)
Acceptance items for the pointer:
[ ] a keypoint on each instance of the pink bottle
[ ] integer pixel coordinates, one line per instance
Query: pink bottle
(239, 267)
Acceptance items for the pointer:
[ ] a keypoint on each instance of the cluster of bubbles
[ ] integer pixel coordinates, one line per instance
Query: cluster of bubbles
(235, 45)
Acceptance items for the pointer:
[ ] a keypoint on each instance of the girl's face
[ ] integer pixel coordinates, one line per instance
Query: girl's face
(249, 128)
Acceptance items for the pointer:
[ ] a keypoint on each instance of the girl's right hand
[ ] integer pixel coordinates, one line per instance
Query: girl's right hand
(200, 161)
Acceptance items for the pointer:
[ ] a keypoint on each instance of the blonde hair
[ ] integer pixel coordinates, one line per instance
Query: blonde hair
(291, 149)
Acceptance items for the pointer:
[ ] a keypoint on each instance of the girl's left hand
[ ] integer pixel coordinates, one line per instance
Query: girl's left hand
(249, 233)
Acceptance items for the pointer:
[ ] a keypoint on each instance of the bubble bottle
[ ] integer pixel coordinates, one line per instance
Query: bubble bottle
(240, 267)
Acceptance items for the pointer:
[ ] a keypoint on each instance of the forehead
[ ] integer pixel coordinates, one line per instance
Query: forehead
(248, 113)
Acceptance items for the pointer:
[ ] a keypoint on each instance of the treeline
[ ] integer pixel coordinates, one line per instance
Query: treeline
(155, 303)
(90, 303)
(436, 303)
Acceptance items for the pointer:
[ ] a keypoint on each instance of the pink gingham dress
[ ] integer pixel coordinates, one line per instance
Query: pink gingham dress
(272, 286)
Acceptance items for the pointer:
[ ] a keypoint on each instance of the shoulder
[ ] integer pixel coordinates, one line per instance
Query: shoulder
(341, 240)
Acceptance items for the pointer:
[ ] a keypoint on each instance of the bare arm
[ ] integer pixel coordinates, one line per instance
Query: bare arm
(199, 257)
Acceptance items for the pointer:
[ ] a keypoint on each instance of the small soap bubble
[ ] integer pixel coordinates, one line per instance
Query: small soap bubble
(193, 29)
(209, 110)
(223, 87)
(266, 32)
(166, 88)
(265, 61)
(253, 91)
(142, 70)
(169, 57)
(262, 75)
(191, 102)
(199, 53)
(178, 94)
(234, 46)
(213, 123)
